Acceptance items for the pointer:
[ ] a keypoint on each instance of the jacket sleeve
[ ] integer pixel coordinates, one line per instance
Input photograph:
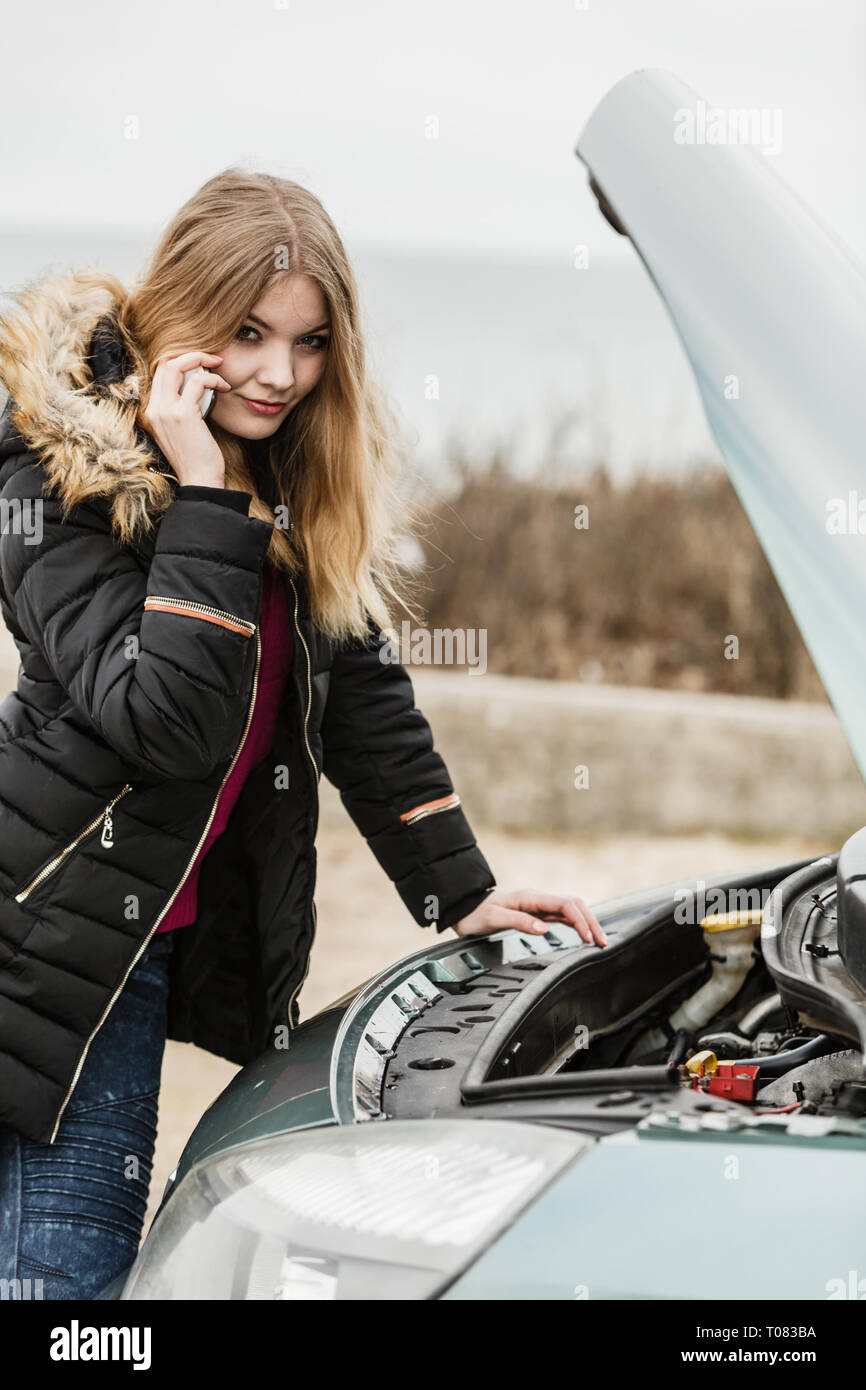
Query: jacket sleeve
(224, 496)
(165, 684)
(379, 753)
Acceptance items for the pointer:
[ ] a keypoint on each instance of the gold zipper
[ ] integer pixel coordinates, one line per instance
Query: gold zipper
(146, 941)
(431, 808)
(107, 842)
(157, 602)
(316, 784)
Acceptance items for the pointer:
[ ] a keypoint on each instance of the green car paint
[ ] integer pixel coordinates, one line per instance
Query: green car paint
(709, 1216)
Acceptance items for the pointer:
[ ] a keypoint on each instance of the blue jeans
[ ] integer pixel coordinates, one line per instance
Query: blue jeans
(71, 1212)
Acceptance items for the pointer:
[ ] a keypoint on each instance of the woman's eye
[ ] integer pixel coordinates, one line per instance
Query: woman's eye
(316, 341)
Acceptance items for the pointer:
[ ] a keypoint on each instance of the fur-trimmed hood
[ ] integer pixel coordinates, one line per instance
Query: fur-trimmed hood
(73, 400)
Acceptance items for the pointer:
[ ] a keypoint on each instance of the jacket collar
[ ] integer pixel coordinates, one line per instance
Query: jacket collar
(73, 400)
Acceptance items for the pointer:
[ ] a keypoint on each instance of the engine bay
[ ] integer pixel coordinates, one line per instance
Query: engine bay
(746, 1010)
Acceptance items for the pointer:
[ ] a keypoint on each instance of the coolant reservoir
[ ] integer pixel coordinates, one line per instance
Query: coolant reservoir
(732, 960)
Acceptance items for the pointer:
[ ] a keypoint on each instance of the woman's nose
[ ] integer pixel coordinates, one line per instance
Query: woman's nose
(276, 372)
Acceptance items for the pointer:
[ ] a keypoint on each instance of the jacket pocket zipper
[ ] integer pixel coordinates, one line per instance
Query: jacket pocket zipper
(162, 603)
(431, 808)
(106, 840)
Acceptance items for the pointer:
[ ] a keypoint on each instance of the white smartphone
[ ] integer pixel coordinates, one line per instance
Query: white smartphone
(207, 397)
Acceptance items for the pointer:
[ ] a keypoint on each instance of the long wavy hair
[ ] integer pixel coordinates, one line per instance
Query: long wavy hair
(334, 461)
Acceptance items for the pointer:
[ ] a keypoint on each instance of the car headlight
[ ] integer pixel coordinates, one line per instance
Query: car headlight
(391, 1210)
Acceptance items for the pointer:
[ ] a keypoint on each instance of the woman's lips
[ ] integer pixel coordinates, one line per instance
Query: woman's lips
(264, 407)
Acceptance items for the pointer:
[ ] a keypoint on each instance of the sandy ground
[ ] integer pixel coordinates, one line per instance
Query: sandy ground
(363, 926)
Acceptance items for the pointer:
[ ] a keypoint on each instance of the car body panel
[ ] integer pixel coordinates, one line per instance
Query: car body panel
(771, 310)
(707, 1216)
(280, 1091)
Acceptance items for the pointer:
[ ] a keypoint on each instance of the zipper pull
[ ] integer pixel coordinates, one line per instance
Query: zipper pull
(107, 840)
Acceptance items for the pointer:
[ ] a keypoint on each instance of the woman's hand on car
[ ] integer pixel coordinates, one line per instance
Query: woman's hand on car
(528, 910)
(174, 419)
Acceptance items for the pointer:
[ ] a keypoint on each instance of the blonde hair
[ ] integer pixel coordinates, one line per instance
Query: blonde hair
(336, 457)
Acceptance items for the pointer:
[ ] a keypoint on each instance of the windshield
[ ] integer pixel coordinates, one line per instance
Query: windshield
(771, 309)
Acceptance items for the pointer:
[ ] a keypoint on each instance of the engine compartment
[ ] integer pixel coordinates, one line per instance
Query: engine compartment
(745, 1010)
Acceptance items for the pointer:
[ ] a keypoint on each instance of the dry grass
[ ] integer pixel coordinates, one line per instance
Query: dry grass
(648, 594)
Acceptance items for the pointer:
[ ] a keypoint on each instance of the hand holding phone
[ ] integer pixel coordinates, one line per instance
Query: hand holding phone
(183, 388)
(207, 397)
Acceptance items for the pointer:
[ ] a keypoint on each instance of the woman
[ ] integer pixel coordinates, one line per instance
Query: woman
(199, 607)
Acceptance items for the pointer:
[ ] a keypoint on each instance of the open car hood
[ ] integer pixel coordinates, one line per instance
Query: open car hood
(771, 310)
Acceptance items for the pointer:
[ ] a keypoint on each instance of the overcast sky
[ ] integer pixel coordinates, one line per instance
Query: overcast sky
(337, 95)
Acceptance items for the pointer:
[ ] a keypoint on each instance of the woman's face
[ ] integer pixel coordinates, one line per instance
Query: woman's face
(276, 358)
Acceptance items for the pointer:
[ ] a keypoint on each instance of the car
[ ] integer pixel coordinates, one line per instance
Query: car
(683, 1113)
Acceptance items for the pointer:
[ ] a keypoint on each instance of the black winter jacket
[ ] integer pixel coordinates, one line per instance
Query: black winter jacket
(137, 682)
